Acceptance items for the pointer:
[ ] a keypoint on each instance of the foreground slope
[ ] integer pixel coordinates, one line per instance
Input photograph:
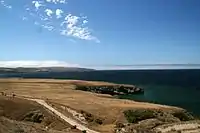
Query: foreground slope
(23, 116)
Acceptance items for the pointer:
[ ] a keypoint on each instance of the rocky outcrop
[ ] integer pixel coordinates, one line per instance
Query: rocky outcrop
(158, 121)
(112, 90)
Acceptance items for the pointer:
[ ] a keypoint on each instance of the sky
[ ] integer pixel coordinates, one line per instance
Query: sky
(99, 33)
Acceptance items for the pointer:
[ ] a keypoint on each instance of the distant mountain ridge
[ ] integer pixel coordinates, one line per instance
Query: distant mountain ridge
(42, 69)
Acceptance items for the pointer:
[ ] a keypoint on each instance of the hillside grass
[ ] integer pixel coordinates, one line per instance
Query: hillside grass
(63, 92)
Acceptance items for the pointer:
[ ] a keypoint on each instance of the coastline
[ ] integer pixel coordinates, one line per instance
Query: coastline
(99, 110)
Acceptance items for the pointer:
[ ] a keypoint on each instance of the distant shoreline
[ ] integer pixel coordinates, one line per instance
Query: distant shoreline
(170, 87)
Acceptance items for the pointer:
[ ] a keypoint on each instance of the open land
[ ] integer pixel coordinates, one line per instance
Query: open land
(99, 112)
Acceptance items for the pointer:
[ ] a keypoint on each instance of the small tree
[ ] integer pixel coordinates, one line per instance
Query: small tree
(84, 131)
(73, 127)
(120, 125)
(99, 121)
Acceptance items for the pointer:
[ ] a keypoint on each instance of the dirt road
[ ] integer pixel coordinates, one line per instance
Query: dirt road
(62, 116)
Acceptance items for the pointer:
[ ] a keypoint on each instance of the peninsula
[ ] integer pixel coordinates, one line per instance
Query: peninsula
(43, 101)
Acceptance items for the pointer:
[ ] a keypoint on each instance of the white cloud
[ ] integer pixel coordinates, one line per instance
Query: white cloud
(14, 64)
(41, 13)
(85, 21)
(48, 27)
(2, 2)
(27, 9)
(75, 28)
(37, 4)
(49, 12)
(72, 40)
(44, 18)
(24, 18)
(59, 13)
(36, 23)
(57, 1)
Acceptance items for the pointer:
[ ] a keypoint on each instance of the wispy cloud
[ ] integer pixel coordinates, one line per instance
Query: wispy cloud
(50, 15)
(37, 4)
(24, 18)
(57, 1)
(72, 40)
(2, 2)
(59, 13)
(14, 64)
(49, 12)
(85, 21)
(74, 27)
(48, 27)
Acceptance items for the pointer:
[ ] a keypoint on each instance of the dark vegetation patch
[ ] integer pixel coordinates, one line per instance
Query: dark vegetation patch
(34, 116)
(111, 89)
(119, 125)
(91, 118)
(134, 116)
(183, 115)
(73, 127)
(84, 131)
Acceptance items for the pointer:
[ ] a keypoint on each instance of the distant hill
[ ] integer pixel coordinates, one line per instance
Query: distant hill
(43, 69)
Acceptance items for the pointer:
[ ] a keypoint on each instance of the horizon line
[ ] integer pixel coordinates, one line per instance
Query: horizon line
(112, 65)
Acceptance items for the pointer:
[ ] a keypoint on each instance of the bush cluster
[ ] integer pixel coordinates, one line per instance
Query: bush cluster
(34, 116)
(134, 116)
(183, 115)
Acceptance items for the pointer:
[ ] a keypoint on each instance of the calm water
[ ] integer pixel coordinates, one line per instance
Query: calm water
(171, 87)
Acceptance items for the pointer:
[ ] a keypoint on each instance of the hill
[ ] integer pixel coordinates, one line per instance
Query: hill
(43, 69)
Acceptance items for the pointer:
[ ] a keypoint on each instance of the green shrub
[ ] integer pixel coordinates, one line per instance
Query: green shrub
(34, 116)
(73, 127)
(89, 117)
(173, 129)
(183, 115)
(84, 131)
(37, 118)
(82, 112)
(29, 115)
(119, 125)
(83, 88)
(179, 131)
(99, 121)
(134, 116)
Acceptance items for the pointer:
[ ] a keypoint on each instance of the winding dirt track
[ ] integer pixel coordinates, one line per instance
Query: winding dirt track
(62, 116)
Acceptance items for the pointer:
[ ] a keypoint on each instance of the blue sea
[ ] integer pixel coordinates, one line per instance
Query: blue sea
(171, 87)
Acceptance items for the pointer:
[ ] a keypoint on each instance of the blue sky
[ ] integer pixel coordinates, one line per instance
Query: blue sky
(100, 32)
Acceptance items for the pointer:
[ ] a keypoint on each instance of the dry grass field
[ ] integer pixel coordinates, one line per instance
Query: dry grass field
(15, 117)
(62, 92)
